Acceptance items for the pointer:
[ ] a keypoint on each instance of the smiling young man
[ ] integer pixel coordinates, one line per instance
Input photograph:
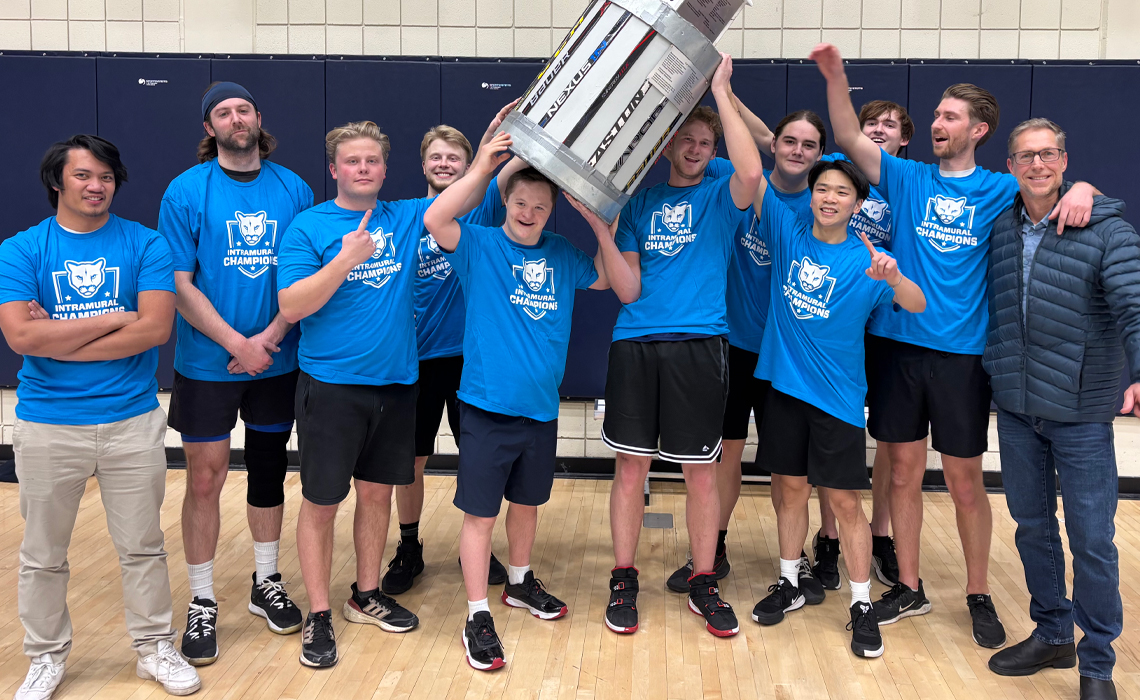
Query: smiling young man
(927, 369)
(87, 298)
(520, 284)
(668, 365)
(235, 355)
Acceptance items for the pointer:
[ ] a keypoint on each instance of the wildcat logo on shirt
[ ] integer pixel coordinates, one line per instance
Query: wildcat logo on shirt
(671, 229)
(253, 243)
(751, 241)
(432, 262)
(535, 290)
(85, 288)
(874, 219)
(948, 224)
(808, 289)
(378, 269)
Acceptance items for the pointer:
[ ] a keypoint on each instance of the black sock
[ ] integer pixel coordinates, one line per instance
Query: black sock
(410, 533)
(720, 542)
(361, 597)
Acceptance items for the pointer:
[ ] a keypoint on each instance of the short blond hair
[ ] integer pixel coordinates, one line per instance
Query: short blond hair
(1032, 124)
(447, 134)
(356, 130)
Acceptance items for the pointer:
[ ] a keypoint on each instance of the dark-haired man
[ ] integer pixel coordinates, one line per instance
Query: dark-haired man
(224, 220)
(87, 298)
(928, 368)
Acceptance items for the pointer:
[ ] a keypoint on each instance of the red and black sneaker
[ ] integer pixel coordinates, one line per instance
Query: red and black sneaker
(704, 600)
(621, 615)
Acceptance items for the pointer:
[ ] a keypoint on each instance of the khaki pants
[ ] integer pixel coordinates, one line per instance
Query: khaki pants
(53, 463)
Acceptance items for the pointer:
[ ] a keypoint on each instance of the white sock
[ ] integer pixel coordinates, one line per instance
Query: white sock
(265, 558)
(790, 569)
(474, 606)
(201, 580)
(861, 592)
(516, 574)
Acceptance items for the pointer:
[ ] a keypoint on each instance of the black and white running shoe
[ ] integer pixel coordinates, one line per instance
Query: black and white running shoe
(531, 595)
(866, 640)
(318, 641)
(826, 569)
(268, 599)
(375, 608)
(883, 559)
(810, 586)
(988, 630)
(481, 642)
(782, 598)
(404, 568)
(200, 640)
(678, 582)
(900, 602)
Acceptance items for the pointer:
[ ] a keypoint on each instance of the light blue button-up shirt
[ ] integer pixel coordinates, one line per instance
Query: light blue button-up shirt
(1033, 233)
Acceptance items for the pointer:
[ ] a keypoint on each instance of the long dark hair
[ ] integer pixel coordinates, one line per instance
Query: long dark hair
(51, 167)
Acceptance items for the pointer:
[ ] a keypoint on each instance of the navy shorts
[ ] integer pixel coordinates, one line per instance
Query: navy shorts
(503, 456)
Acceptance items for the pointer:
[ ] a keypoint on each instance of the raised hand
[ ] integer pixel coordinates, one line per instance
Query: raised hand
(827, 57)
(723, 76)
(883, 267)
(357, 246)
(492, 154)
(595, 221)
(498, 120)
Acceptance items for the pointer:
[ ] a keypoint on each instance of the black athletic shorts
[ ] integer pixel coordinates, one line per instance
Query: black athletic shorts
(503, 456)
(669, 390)
(914, 391)
(353, 431)
(799, 439)
(206, 411)
(439, 380)
(746, 394)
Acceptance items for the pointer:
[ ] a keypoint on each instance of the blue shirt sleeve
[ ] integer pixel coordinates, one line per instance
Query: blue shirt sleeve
(626, 237)
(776, 218)
(175, 225)
(585, 273)
(468, 250)
(894, 173)
(156, 270)
(718, 168)
(491, 211)
(17, 272)
(297, 258)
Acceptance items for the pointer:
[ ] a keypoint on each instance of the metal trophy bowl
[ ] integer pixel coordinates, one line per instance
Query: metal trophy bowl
(622, 82)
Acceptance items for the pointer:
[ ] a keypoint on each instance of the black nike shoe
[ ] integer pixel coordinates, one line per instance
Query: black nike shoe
(481, 642)
(621, 614)
(866, 640)
(826, 569)
(704, 600)
(679, 581)
(268, 599)
(404, 568)
(782, 598)
(200, 640)
(318, 641)
(900, 602)
(988, 630)
(810, 586)
(496, 572)
(884, 560)
(531, 595)
(375, 608)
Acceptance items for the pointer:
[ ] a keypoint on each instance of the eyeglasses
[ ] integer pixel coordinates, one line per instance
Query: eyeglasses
(1048, 155)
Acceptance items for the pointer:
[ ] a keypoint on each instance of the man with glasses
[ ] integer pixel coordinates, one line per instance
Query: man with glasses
(1059, 308)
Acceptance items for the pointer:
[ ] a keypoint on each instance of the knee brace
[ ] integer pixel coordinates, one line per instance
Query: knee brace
(265, 465)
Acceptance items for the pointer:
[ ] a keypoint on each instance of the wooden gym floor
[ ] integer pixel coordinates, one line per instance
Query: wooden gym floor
(671, 656)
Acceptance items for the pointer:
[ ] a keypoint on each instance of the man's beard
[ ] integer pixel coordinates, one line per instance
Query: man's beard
(232, 144)
(440, 185)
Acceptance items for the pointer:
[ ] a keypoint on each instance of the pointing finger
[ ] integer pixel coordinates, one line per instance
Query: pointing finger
(364, 221)
(867, 242)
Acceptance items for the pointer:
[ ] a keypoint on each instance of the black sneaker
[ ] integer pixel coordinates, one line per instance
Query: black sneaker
(496, 573)
(988, 630)
(481, 642)
(810, 586)
(404, 568)
(704, 600)
(782, 598)
(679, 581)
(531, 595)
(825, 550)
(884, 560)
(268, 599)
(200, 641)
(900, 602)
(866, 640)
(621, 614)
(380, 610)
(318, 641)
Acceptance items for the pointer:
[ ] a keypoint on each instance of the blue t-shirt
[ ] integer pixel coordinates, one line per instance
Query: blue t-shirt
(366, 332)
(942, 242)
(228, 234)
(821, 300)
(438, 296)
(684, 236)
(520, 302)
(78, 275)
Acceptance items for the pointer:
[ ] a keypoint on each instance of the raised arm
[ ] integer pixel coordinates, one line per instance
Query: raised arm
(155, 319)
(616, 270)
(440, 217)
(741, 148)
(884, 268)
(850, 139)
(38, 336)
(306, 297)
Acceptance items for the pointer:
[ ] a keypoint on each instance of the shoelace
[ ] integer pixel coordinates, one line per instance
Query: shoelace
(42, 676)
(169, 658)
(274, 592)
(978, 607)
(399, 561)
(862, 621)
(319, 629)
(201, 623)
(805, 569)
(538, 591)
(779, 585)
(485, 638)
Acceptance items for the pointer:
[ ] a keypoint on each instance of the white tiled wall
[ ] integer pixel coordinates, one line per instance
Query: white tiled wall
(1037, 29)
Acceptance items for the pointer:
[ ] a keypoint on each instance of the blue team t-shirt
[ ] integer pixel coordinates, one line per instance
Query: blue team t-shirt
(438, 297)
(520, 302)
(942, 242)
(228, 233)
(79, 275)
(684, 236)
(365, 333)
(821, 300)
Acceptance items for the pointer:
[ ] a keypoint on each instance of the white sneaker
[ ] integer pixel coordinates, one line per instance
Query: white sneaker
(171, 670)
(43, 678)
